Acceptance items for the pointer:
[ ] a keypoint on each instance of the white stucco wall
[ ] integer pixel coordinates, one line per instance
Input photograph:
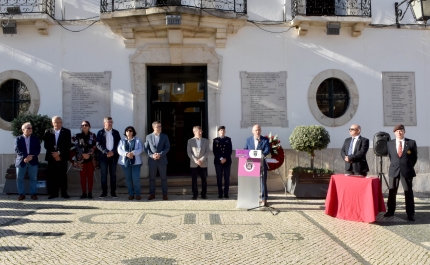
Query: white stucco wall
(364, 58)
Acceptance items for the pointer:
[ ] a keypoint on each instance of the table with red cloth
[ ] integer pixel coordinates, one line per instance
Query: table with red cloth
(354, 198)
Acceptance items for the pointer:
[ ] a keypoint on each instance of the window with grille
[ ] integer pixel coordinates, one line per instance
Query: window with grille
(14, 99)
(333, 97)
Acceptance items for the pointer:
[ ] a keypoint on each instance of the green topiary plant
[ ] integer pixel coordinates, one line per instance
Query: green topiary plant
(309, 138)
(39, 123)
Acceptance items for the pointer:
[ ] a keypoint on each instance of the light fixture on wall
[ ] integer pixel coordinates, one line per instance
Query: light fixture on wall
(420, 10)
(333, 28)
(178, 88)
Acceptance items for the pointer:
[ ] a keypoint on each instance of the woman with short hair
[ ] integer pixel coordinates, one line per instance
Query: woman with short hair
(85, 145)
(129, 150)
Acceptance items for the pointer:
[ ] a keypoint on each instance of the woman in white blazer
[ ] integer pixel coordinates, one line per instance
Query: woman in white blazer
(129, 150)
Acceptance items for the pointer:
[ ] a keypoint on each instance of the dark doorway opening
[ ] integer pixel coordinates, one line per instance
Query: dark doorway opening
(177, 98)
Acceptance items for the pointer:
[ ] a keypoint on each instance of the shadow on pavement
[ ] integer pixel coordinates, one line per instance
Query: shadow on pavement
(151, 260)
(12, 248)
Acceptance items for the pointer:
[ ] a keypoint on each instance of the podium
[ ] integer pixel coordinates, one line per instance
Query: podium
(249, 170)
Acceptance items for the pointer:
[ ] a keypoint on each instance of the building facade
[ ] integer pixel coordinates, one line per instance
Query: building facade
(189, 74)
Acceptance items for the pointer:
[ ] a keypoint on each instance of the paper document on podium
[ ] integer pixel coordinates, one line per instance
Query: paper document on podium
(271, 160)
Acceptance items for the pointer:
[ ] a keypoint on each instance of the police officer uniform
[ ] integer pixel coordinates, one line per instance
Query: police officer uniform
(222, 148)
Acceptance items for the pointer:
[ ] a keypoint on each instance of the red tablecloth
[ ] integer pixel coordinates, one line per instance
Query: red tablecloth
(354, 198)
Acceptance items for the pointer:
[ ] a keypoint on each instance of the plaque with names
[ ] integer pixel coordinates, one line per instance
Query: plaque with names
(399, 98)
(86, 96)
(264, 99)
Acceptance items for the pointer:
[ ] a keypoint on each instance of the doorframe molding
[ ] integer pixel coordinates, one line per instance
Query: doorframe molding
(160, 54)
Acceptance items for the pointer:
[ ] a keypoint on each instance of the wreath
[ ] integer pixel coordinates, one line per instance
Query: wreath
(276, 152)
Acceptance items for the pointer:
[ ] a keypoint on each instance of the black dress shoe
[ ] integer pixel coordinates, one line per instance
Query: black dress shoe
(411, 218)
(103, 195)
(204, 197)
(84, 195)
(226, 196)
(219, 196)
(52, 196)
(194, 197)
(90, 195)
(65, 196)
(388, 214)
(113, 194)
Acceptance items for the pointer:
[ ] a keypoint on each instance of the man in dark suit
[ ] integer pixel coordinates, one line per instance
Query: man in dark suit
(107, 144)
(354, 152)
(57, 142)
(222, 149)
(403, 157)
(27, 148)
(259, 142)
(156, 146)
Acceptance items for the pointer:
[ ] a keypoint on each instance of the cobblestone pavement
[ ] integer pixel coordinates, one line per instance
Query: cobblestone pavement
(213, 231)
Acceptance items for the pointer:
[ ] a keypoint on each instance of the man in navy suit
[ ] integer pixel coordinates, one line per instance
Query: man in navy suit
(403, 157)
(259, 142)
(57, 142)
(354, 152)
(107, 144)
(27, 148)
(156, 146)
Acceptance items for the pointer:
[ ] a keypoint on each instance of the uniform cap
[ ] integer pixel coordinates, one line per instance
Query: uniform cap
(398, 127)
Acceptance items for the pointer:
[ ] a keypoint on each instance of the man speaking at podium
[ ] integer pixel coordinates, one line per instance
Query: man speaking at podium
(259, 142)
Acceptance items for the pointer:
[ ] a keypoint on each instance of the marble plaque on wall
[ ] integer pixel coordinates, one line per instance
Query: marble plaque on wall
(399, 98)
(264, 99)
(86, 96)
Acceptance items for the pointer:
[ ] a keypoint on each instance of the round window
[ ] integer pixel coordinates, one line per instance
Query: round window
(332, 97)
(14, 99)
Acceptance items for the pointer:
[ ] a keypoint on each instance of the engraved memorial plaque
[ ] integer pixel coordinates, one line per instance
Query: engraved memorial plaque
(86, 96)
(399, 98)
(264, 99)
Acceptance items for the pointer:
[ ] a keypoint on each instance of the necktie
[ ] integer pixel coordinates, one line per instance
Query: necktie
(350, 146)
(400, 150)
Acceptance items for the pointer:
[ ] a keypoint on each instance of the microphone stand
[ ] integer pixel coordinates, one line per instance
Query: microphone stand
(381, 174)
(271, 209)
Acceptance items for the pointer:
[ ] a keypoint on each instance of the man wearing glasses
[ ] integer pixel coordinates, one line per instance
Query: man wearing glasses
(27, 148)
(354, 152)
(156, 146)
(107, 144)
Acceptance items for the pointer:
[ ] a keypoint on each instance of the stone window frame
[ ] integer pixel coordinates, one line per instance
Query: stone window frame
(32, 88)
(353, 95)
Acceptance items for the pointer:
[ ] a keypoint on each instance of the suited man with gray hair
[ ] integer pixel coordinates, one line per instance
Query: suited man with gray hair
(198, 151)
(156, 146)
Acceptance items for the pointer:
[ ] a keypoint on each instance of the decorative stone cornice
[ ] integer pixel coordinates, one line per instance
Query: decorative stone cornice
(41, 21)
(195, 23)
(357, 24)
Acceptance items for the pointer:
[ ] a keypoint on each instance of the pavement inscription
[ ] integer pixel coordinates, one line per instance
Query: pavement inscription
(182, 231)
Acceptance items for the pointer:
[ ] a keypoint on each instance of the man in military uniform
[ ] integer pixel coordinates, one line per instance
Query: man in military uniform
(222, 149)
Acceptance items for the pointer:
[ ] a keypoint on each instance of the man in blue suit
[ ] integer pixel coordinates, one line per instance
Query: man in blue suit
(156, 146)
(259, 142)
(107, 144)
(27, 148)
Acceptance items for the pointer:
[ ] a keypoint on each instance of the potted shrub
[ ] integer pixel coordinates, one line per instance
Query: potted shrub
(309, 181)
(39, 123)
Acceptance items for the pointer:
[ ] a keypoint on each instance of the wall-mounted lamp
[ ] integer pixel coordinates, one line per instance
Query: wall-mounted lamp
(420, 9)
(333, 28)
